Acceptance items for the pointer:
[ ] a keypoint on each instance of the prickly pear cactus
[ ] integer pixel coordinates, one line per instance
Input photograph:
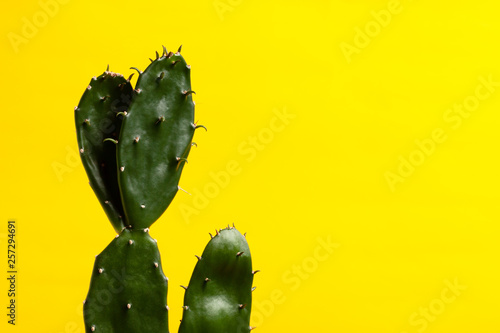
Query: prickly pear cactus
(134, 144)
(219, 295)
(99, 116)
(155, 140)
(128, 290)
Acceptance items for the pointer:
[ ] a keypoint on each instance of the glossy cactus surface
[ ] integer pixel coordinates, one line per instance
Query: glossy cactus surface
(128, 290)
(99, 116)
(219, 295)
(155, 139)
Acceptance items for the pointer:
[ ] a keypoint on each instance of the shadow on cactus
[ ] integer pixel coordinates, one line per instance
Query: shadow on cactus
(134, 143)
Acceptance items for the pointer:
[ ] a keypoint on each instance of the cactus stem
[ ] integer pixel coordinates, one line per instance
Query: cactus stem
(122, 168)
(164, 50)
(137, 69)
(255, 272)
(239, 254)
(156, 264)
(130, 242)
(110, 140)
(160, 120)
(101, 270)
(241, 306)
(136, 139)
(179, 50)
(198, 257)
(129, 306)
(183, 190)
(186, 288)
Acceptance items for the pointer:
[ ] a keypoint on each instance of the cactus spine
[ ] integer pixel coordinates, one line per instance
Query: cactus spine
(134, 144)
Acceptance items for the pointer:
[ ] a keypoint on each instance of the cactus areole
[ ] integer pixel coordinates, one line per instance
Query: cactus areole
(134, 144)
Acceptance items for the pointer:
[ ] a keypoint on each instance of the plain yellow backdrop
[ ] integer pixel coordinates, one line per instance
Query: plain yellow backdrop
(356, 142)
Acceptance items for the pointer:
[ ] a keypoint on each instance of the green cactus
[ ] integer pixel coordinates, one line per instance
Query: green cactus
(155, 140)
(128, 290)
(134, 144)
(99, 116)
(219, 295)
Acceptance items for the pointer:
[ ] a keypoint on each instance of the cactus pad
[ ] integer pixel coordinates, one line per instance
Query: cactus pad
(219, 296)
(98, 117)
(128, 289)
(155, 139)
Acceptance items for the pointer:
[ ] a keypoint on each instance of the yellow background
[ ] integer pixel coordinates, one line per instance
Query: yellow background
(319, 176)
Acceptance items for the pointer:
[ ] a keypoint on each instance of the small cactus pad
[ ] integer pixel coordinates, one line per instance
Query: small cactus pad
(128, 290)
(99, 116)
(219, 296)
(155, 139)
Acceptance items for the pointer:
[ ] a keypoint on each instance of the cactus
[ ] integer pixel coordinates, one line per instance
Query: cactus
(219, 295)
(99, 116)
(134, 144)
